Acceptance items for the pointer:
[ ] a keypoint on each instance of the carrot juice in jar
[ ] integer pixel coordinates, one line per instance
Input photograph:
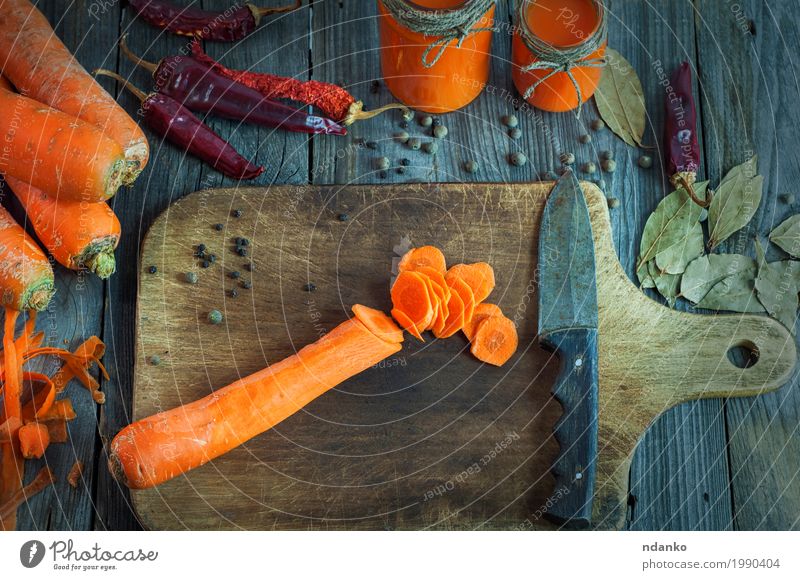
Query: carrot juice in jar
(558, 52)
(435, 53)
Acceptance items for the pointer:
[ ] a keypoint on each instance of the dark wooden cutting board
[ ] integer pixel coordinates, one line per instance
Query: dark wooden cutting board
(431, 439)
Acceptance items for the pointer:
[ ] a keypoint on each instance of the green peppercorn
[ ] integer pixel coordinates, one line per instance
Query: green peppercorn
(471, 166)
(515, 133)
(589, 167)
(382, 163)
(609, 165)
(645, 162)
(430, 147)
(597, 125)
(613, 202)
(190, 277)
(509, 121)
(606, 154)
(440, 132)
(567, 158)
(414, 144)
(215, 317)
(401, 137)
(425, 120)
(408, 114)
(787, 198)
(155, 360)
(585, 138)
(518, 159)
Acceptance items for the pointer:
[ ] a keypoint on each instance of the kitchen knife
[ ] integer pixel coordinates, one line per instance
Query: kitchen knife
(568, 325)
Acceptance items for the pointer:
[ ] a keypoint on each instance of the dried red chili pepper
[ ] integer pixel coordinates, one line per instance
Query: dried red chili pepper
(680, 134)
(331, 99)
(177, 124)
(202, 89)
(233, 24)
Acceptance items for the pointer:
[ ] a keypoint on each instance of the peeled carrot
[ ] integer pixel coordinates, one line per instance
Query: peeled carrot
(158, 448)
(495, 340)
(407, 324)
(56, 152)
(26, 276)
(478, 276)
(378, 323)
(410, 295)
(33, 440)
(424, 256)
(41, 67)
(482, 310)
(77, 234)
(465, 293)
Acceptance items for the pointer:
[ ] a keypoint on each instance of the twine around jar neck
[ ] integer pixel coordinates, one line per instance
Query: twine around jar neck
(446, 24)
(558, 59)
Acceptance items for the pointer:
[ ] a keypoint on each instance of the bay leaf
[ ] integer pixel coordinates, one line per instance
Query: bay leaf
(735, 201)
(671, 232)
(787, 236)
(735, 293)
(776, 288)
(705, 272)
(666, 284)
(643, 274)
(620, 99)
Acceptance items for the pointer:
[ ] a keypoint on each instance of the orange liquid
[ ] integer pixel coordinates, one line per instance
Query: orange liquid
(454, 81)
(563, 23)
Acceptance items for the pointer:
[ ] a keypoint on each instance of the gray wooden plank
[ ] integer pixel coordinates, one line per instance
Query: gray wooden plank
(751, 106)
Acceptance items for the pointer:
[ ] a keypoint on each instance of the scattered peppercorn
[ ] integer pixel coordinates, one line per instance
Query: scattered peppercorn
(518, 159)
(567, 158)
(310, 287)
(237, 213)
(414, 144)
(241, 251)
(597, 125)
(471, 166)
(233, 293)
(244, 242)
(606, 155)
(408, 114)
(787, 198)
(201, 247)
(401, 136)
(247, 284)
(190, 277)
(509, 121)
(440, 132)
(215, 317)
(609, 165)
(152, 269)
(613, 202)
(211, 258)
(430, 147)
(585, 138)
(751, 27)
(401, 170)
(376, 87)
(382, 163)
(248, 267)
(155, 360)
(383, 174)
(205, 264)
(219, 227)
(403, 124)
(589, 167)
(645, 162)
(372, 145)
(235, 274)
(425, 120)
(405, 162)
(343, 217)
(515, 133)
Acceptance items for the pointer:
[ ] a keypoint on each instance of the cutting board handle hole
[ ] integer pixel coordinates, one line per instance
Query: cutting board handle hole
(744, 355)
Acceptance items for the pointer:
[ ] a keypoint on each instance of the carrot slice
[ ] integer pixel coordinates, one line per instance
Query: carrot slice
(495, 340)
(61, 410)
(410, 294)
(378, 323)
(75, 474)
(482, 310)
(57, 428)
(467, 297)
(415, 258)
(478, 276)
(406, 323)
(455, 317)
(33, 440)
(43, 395)
(442, 291)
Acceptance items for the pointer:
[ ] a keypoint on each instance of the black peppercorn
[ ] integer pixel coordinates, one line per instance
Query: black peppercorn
(234, 274)
(343, 217)
(241, 251)
(310, 287)
(237, 213)
(219, 227)
(152, 269)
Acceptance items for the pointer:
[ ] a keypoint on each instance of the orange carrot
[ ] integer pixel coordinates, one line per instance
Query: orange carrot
(465, 293)
(455, 316)
(482, 310)
(495, 340)
(8, 428)
(77, 234)
(425, 256)
(158, 448)
(42, 399)
(410, 295)
(442, 291)
(75, 474)
(478, 276)
(33, 440)
(56, 152)
(378, 323)
(60, 410)
(26, 276)
(40, 66)
(11, 467)
(407, 324)
(9, 505)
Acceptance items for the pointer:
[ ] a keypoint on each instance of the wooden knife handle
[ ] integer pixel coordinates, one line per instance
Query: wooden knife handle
(576, 388)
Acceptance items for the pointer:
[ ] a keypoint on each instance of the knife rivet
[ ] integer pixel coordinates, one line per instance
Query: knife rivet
(578, 362)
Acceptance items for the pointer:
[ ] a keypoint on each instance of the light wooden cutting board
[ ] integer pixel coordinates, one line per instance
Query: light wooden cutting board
(431, 439)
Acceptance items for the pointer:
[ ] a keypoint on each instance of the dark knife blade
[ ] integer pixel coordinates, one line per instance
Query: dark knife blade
(568, 325)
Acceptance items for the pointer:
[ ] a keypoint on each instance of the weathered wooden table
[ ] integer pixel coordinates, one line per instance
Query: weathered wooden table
(713, 464)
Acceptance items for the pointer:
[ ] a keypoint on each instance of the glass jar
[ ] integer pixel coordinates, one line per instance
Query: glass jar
(457, 76)
(565, 25)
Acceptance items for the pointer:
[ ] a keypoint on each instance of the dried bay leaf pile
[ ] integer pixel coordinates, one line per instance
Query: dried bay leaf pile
(673, 259)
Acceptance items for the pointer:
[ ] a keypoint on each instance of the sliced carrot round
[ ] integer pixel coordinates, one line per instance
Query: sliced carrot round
(495, 340)
(455, 317)
(406, 323)
(482, 310)
(467, 297)
(411, 295)
(378, 323)
(478, 276)
(430, 256)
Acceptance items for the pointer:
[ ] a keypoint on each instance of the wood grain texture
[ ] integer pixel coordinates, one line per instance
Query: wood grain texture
(750, 106)
(373, 453)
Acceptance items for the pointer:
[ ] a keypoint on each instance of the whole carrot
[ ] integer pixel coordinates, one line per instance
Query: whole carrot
(57, 152)
(77, 234)
(158, 448)
(26, 277)
(41, 67)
